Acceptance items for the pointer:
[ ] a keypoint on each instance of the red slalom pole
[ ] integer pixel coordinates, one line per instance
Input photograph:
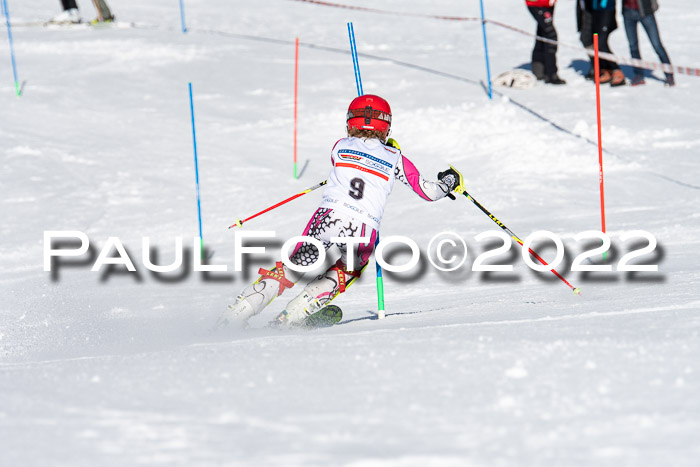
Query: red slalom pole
(600, 137)
(296, 93)
(239, 222)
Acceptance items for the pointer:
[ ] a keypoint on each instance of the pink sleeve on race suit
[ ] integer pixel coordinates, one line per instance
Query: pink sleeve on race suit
(413, 177)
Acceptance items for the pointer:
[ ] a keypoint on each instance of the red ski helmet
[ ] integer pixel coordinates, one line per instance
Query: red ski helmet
(369, 112)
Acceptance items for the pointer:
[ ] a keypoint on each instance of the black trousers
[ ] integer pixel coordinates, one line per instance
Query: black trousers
(68, 4)
(584, 20)
(545, 52)
(604, 23)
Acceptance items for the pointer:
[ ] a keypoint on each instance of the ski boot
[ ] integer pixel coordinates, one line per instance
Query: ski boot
(237, 315)
(298, 309)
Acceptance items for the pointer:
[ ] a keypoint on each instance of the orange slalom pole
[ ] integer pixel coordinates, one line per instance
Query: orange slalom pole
(600, 137)
(296, 93)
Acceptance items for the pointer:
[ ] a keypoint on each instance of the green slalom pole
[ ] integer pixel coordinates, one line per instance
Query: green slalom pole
(380, 286)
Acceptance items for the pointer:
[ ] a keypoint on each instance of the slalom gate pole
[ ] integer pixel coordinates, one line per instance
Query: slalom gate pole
(240, 222)
(196, 173)
(18, 91)
(296, 93)
(600, 137)
(355, 63)
(182, 17)
(486, 48)
(380, 285)
(358, 81)
(461, 190)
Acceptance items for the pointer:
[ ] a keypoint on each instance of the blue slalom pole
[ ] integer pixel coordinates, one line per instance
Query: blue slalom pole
(12, 47)
(196, 173)
(358, 82)
(182, 17)
(355, 63)
(486, 48)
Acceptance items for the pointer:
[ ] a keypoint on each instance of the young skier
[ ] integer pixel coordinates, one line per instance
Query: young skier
(364, 168)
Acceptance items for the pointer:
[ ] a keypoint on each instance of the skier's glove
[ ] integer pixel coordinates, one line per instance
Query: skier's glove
(451, 178)
(393, 143)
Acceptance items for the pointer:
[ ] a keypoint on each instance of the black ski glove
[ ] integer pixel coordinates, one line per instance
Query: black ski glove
(450, 177)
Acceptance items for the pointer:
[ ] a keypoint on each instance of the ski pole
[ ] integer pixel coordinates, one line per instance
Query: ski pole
(239, 222)
(460, 189)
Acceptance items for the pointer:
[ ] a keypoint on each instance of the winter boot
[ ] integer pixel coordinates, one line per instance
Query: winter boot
(618, 78)
(554, 79)
(71, 16)
(97, 21)
(605, 76)
(669, 82)
(638, 80)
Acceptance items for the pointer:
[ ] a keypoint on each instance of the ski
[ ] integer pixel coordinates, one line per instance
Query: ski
(323, 318)
(84, 25)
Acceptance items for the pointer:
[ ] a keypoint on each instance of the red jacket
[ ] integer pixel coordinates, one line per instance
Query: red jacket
(540, 3)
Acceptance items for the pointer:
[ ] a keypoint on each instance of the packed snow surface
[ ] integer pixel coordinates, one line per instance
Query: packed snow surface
(468, 368)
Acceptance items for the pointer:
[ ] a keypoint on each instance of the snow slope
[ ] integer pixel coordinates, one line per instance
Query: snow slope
(500, 369)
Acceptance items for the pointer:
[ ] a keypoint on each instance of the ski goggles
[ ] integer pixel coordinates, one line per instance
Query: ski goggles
(368, 113)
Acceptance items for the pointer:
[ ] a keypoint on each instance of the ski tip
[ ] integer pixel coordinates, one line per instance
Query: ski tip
(325, 317)
(577, 291)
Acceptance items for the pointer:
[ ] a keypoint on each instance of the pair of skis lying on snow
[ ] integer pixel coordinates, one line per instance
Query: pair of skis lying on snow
(331, 314)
